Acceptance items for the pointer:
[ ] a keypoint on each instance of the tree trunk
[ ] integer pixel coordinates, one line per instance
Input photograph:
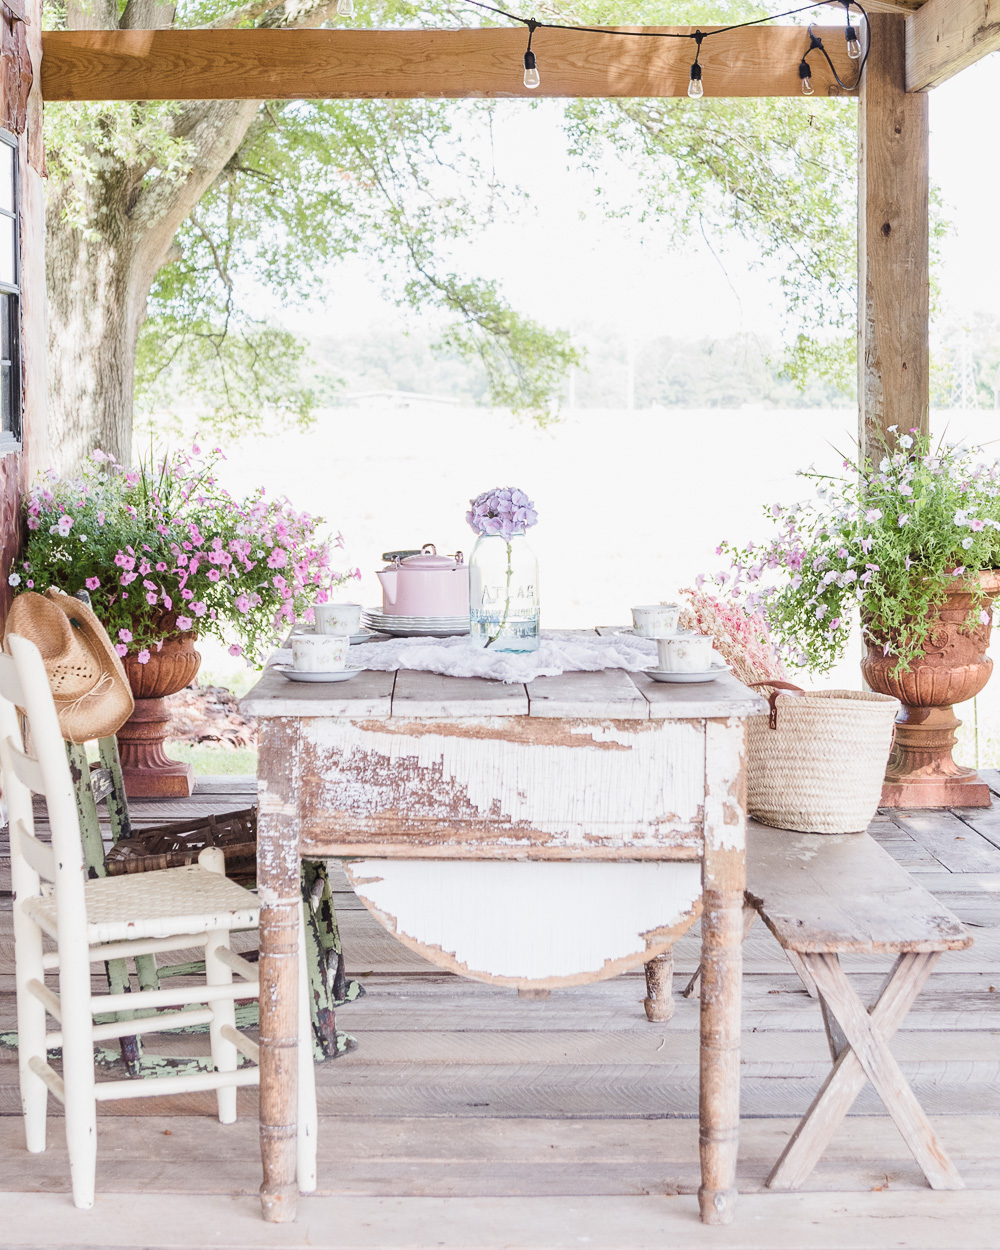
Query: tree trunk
(95, 313)
(99, 276)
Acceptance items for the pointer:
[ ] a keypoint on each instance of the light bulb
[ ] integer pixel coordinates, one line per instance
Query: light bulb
(695, 88)
(531, 78)
(853, 45)
(345, 8)
(805, 74)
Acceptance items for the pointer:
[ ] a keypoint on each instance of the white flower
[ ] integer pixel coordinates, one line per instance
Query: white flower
(903, 519)
(893, 429)
(884, 464)
(14, 579)
(849, 576)
(821, 611)
(961, 517)
(906, 441)
(967, 542)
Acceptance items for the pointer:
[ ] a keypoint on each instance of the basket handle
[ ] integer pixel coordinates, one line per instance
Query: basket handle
(772, 701)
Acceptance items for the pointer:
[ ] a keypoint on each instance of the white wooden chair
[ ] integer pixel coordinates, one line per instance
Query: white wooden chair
(113, 918)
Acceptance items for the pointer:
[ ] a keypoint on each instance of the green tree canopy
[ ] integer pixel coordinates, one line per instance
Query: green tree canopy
(193, 223)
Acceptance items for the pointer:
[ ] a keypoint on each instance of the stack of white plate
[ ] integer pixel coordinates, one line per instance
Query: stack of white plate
(415, 626)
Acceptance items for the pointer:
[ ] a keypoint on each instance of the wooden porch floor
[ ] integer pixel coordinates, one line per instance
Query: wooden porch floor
(470, 1117)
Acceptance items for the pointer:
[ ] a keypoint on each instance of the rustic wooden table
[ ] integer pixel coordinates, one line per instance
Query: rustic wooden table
(485, 821)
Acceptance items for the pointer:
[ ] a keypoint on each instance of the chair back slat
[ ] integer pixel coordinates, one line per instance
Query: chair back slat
(28, 770)
(38, 855)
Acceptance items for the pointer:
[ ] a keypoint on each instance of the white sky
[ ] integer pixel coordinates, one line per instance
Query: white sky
(566, 270)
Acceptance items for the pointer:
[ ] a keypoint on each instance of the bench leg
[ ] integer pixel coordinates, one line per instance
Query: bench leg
(860, 1039)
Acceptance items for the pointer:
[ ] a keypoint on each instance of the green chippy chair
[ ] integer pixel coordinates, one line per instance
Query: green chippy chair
(102, 783)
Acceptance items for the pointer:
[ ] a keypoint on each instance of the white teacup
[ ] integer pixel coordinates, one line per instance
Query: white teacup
(319, 653)
(686, 653)
(337, 618)
(655, 620)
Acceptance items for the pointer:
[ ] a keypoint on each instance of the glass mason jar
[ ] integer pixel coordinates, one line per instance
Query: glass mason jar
(503, 594)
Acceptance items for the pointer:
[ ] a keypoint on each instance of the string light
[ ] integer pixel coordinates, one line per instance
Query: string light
(851, 34)
(816, 45)
(696, 87)
(531, 76)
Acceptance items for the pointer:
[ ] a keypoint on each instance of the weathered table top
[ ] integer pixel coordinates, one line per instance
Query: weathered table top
(611, 694)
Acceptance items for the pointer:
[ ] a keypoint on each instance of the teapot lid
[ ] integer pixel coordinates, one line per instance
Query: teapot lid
(428, 558)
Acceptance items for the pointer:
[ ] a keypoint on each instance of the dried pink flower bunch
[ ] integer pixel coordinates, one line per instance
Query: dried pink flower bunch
(504, 510)
(742, 640)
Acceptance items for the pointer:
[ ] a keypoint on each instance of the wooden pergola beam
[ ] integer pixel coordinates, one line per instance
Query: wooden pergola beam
(946, 36)
(893, 275)
(407, 64)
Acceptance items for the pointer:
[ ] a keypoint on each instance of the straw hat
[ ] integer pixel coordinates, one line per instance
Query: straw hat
(89, 686)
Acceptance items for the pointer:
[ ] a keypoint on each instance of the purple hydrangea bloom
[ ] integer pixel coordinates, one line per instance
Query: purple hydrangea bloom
(504, 510)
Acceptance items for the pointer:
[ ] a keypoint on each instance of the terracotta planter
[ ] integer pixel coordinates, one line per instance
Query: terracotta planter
(148, 771)
(953, 668)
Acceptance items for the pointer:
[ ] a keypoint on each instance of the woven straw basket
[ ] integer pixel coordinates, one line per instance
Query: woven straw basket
(816, 764)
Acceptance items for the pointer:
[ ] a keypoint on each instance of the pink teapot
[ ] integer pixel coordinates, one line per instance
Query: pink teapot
(424, 583)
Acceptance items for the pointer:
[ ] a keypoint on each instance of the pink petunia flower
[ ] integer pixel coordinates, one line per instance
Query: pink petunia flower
(92, 583)
(125, 635)
(184, 622)
(121, 650)
(143, 656)
(235, 649)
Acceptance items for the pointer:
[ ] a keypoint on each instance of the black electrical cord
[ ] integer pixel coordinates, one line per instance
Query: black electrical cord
(814, 41)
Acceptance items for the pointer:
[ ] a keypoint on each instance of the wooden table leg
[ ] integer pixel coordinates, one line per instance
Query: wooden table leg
(659, 1000)
(279, 889)
(724, 880)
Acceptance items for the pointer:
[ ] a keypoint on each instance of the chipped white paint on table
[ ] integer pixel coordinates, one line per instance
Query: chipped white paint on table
(483, 822)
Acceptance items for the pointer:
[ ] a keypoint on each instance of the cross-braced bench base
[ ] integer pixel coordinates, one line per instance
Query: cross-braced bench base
(821, 897)
(859, 1044)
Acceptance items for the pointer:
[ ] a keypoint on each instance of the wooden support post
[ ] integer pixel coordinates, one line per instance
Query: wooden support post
(893, 286)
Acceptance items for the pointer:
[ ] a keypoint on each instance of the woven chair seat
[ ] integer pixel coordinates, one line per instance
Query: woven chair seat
(181, 900)
(178, 844)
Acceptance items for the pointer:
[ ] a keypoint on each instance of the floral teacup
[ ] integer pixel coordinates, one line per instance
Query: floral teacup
(337, 618)
(319, 653)
(655, 620)
(685, 653)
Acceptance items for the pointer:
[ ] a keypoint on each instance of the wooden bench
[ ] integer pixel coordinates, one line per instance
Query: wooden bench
(822, 896)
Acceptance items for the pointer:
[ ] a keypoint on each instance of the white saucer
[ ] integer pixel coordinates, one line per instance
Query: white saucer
(365, 636)
(681, 679)
(353, 639)
(293, 674)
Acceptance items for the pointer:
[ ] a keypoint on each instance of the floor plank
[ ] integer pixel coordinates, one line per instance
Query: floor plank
(922, 1220)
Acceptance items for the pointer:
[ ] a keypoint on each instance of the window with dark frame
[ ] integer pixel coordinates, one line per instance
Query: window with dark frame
(10, 293)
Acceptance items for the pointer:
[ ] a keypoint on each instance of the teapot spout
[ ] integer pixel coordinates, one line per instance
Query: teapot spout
(388, 579)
